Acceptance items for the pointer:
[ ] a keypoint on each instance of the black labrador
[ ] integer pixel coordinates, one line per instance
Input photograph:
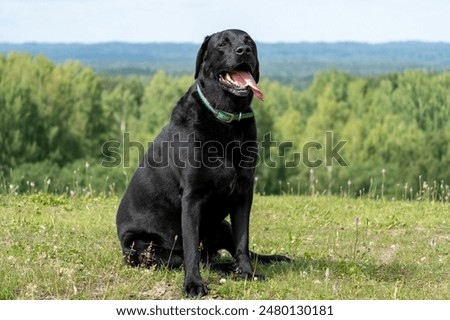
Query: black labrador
(199, 170)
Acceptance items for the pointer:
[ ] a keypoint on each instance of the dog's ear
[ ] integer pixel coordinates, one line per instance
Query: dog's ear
(256, 73)
(201, 56)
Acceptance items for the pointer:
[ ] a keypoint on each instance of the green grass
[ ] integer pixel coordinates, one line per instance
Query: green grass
(55, 247)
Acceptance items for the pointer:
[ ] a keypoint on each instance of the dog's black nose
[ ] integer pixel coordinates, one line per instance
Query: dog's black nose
(243, 49)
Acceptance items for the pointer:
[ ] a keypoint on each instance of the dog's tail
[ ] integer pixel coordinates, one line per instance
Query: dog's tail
(268, 258)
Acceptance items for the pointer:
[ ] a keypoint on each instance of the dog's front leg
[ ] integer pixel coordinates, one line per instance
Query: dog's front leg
(240, 219)
(190, 220)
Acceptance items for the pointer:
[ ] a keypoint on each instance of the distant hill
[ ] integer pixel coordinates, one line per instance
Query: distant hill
(114, 56)
(292, 63)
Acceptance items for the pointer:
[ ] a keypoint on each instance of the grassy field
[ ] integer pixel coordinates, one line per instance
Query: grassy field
(54, 247)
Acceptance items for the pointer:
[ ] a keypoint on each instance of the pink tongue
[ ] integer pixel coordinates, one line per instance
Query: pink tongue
(246, 79)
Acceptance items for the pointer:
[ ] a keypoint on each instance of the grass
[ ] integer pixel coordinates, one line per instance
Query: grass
(56, 247)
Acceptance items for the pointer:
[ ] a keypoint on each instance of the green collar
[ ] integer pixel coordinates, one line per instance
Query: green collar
(223, 116)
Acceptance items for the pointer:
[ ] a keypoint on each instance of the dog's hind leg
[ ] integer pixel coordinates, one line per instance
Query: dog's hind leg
(223, 239)
(141, 250)
(220, 239)
(133, 248)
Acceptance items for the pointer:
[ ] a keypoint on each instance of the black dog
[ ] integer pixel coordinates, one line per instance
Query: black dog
(199, 170)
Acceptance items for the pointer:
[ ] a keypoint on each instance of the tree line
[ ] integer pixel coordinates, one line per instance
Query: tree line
(391, 131)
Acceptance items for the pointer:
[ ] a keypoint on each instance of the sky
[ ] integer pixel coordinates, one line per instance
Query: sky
(89, 21)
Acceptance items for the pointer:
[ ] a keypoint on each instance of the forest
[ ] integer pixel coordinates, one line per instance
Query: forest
(392, 130)
(294, 64)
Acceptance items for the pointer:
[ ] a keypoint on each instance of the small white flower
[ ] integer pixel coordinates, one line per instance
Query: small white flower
(335, 288)
(433, 243)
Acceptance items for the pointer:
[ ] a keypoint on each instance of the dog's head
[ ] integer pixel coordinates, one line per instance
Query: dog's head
(230, 59)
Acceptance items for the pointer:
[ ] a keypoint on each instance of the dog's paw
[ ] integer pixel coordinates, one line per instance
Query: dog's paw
(195, 288)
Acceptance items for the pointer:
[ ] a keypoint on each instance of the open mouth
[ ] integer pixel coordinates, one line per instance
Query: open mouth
(240, 81)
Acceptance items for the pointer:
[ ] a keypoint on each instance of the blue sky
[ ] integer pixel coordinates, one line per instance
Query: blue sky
(189, 21)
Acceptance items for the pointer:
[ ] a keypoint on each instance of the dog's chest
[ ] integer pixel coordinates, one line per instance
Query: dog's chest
(231, 166)
(225, 181)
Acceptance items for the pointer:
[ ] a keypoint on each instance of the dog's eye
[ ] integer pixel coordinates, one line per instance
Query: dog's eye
(224, 42)
(249, 41)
